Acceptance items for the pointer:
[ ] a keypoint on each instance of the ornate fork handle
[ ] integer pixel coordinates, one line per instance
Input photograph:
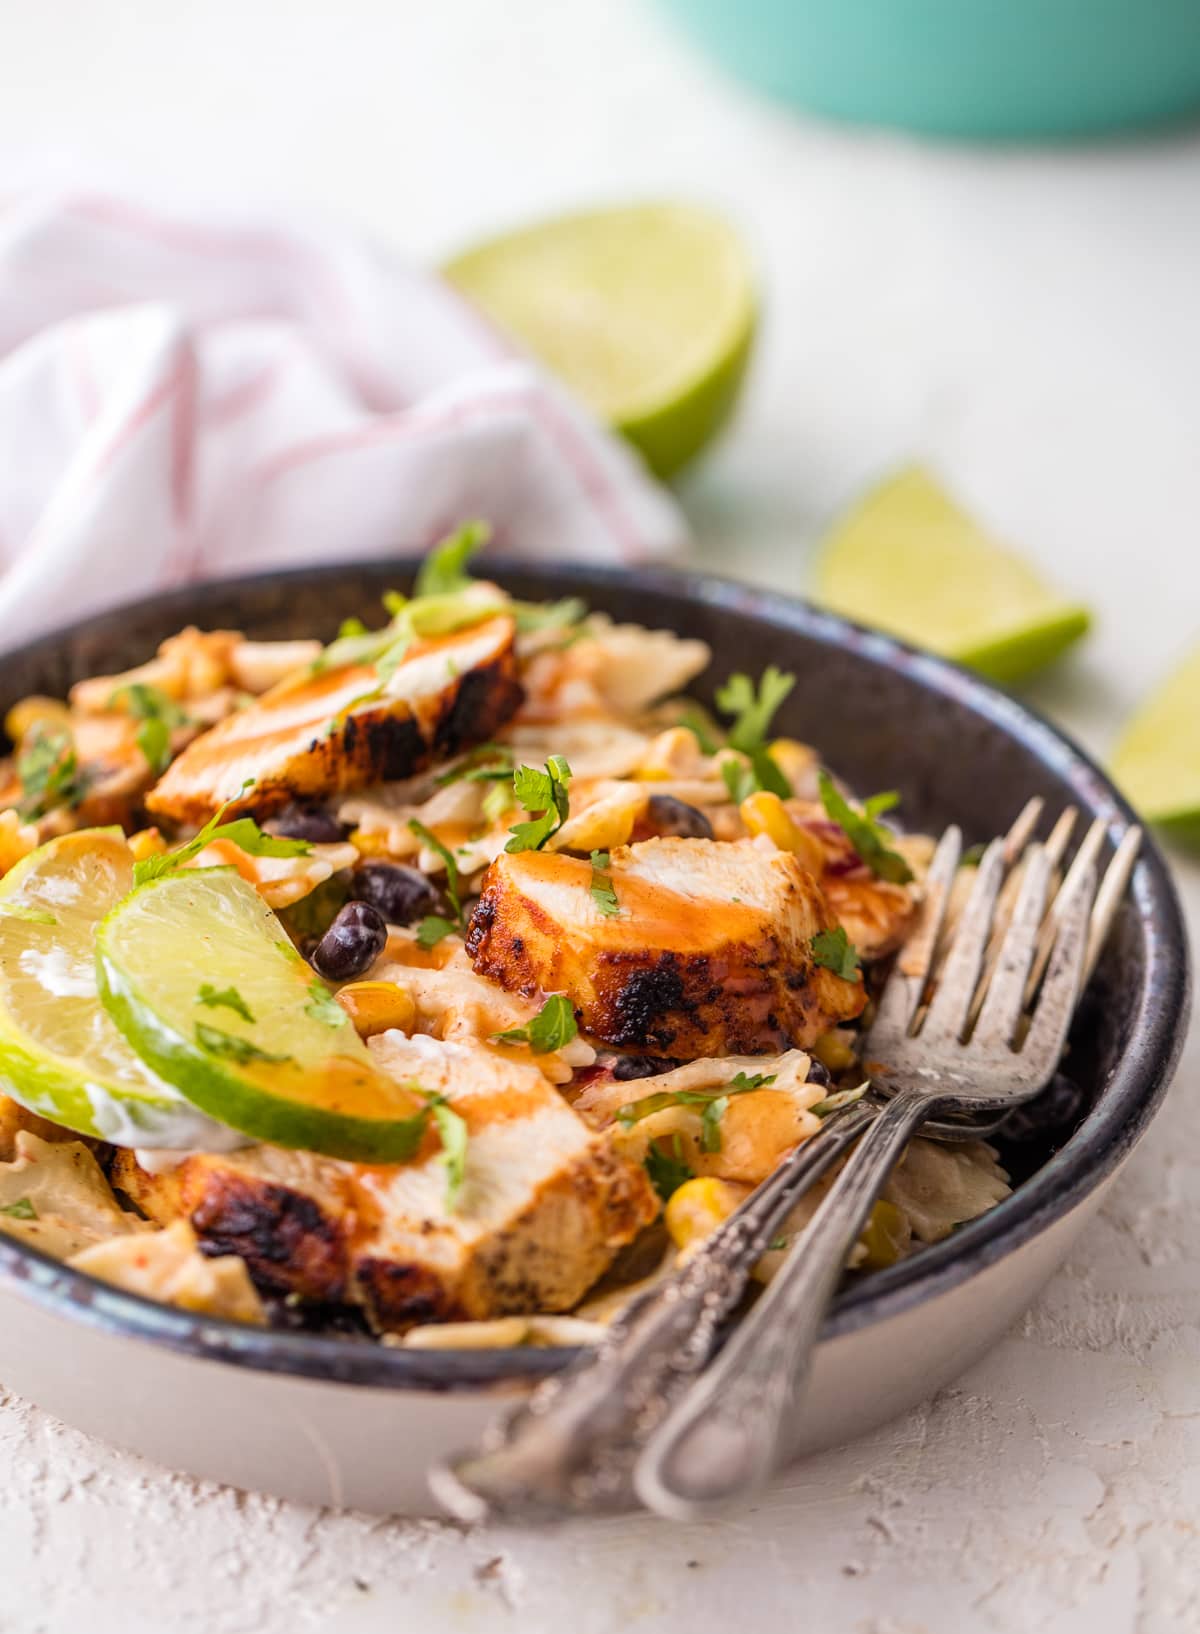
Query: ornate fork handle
(572, 1446)
(722, 1438)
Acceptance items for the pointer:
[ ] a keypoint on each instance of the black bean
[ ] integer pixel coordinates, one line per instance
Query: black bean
(402, 895)
(665, 815)
(313, 823)
(352, 943)
(625, 1067)
(818, 1073)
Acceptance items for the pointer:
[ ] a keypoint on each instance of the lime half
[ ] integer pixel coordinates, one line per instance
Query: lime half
(1157, 760)
(60, 1055)
(909, 560)
(200, 977)
(646, 312)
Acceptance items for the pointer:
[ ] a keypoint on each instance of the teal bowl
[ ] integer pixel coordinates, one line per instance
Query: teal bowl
(984, 69)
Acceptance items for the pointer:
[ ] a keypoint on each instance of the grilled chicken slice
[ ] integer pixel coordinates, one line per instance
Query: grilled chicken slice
(709, 953)
(321, 734)
(544, 1207)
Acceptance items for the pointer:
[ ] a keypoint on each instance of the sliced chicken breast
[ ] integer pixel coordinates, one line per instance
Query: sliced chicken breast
(323, 733)
(545, 1204)
(709, 952)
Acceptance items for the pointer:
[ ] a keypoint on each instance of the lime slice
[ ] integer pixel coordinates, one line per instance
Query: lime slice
(202, 980)
(647, 313)
(60, 1055)
(908, 560)
(1157, 761)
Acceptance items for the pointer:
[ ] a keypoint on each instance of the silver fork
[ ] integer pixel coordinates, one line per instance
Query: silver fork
(720, 1439)
(573, 1445)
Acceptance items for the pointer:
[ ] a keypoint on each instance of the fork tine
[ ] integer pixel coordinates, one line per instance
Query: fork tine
(1023, 828)
(902, 992)
(1108, 898)
(956, 985)
(1064, 980)
(1084, 858)
(1011, 890)
(1005, 997)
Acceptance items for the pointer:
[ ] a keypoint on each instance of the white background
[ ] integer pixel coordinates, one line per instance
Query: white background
(1029, 322)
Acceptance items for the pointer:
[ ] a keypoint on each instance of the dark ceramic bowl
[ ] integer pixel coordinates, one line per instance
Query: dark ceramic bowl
(886, 717)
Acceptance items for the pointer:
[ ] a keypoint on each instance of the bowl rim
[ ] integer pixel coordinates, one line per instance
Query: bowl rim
(1116, 1122)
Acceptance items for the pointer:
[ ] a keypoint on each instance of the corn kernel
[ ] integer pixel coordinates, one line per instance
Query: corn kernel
(374, 1007)
(673, 754)
(834, 1050)
(885, 1236)
(45, 714)
(147, 842)
(795, 760)
(698, 1207)
(369, 845)
(763, 813)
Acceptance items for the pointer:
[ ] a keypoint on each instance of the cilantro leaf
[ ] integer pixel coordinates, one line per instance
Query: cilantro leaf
(226, 997)
(489, 763)
(552, 1028)
(712, 1104)
(544, 796)
(864, 833)
(322, 1006)
(22, 1209)
(243, 832)
(351, 627)
(833, 950)
(231, 1047)
(752, 711)
(452, 1128)
(602, 891)
(667, 1170)
(444, 570)
(159, 715)
(433, 928)
(430, 839)
(548, 615)
(50, 774)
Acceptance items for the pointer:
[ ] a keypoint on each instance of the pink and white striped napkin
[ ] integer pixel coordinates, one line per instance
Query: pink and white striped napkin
(183, 396)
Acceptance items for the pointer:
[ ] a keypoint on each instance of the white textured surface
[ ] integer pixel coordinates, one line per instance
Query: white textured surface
(1027, 321)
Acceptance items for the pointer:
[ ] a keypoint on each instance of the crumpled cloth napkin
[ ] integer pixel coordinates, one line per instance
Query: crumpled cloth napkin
(184, 396)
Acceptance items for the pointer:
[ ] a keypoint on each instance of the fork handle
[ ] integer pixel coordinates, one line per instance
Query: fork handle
(721, 1438)
(571, 1448)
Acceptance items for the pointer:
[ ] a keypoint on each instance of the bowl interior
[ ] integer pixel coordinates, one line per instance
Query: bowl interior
(884, 717)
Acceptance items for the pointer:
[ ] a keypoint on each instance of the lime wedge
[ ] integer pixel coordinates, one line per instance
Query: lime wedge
(908, 560)
(60, 1055)
(202, 980)
(646, 312)
(1157, 761)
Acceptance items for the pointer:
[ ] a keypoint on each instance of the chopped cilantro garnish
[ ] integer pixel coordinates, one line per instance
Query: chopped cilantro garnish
(444, 570)
(22, 1209)
(712, 1103)
(544, 796)
(489, 763)
(227, 998)
(430, 839)
(548, 615)
(50, 774)
(233, 1048)
(159, 715)
(752, 712)
(833, 950)
(667, 1170)
(243, 832)
(351, 627)
(603, 893)
(973, 855)
(322, 1006)
(869, 838)
(551, 1029)
(433, 928)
